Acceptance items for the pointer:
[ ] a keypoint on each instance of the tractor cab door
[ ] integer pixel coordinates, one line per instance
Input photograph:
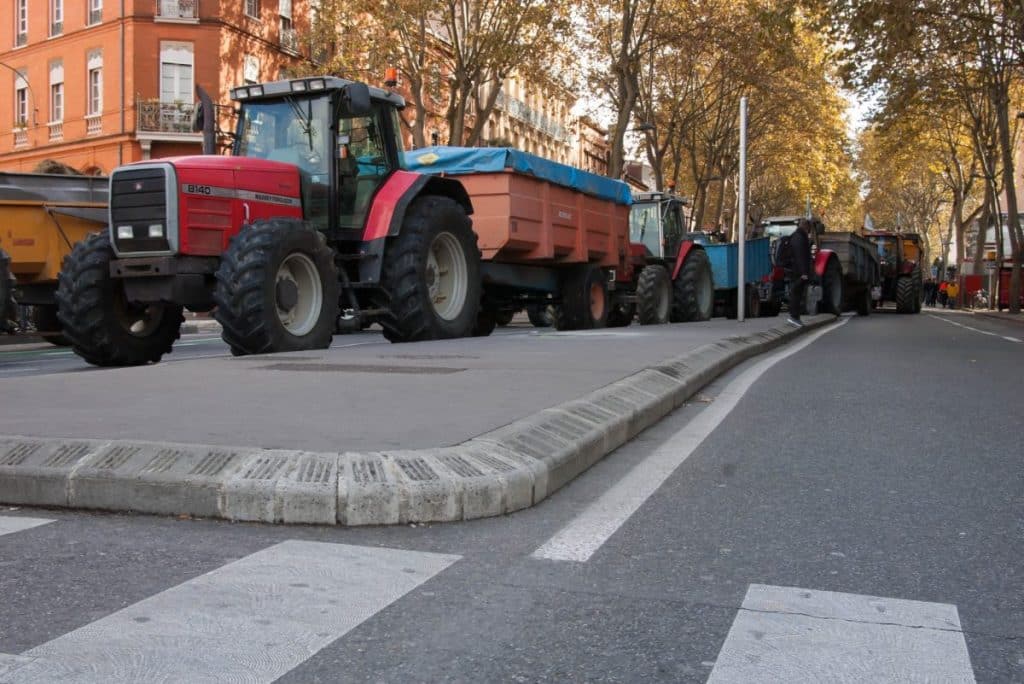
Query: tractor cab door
(672, 227)
(366, 156)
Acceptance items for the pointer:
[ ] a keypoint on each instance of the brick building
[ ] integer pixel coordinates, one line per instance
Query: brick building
(98, 83)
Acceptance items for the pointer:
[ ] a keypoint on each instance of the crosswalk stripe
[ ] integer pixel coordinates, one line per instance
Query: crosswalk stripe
(792, 635)
(251, 620)
(10, 523)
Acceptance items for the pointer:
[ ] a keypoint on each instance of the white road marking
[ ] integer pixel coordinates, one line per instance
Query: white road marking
(786, 634)
(12, 523)
(977, 330)
(252, 620)
(582, 537)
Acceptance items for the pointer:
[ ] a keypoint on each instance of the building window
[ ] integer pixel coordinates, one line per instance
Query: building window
(176, 72)
(251, 70)
(21, 23)
(56, 17)
(57, 91)
(20, 100)
(252, 8)
(94, 80)
(95, 12)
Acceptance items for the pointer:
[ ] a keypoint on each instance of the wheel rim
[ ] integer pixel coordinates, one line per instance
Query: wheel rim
(299, 294)
(447, 276)
(138, 320)
(597, 303)
(664, 300)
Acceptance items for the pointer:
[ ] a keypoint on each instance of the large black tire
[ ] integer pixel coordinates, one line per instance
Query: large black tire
(621, 315)
(103, 327)
(8, 307)
(434, 227)
(44, 318)
(864, 303)
(906, 295)
(585, 304)
(831, 289)
(277, 289)
(918, 290)
(486, 322)
(540, 315)
(504, 316)
(753, 303)
(654, 295)
(693, 291)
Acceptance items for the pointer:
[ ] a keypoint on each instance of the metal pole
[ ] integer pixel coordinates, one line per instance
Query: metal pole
(741, 267)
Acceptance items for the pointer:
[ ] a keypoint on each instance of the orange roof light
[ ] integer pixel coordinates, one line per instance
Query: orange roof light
(391, 77)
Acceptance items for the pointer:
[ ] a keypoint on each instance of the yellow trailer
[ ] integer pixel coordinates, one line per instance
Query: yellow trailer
(42, 216)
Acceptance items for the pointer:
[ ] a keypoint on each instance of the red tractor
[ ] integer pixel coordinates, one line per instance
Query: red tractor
(312, 224)
(825, 295)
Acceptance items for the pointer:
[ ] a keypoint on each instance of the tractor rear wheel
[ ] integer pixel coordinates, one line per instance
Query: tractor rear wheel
(693, 292)
(906, 294)
(621, 315)
(432, 273)
(8, 307)
(104, 328)
(584, 299)
(277, 289)
(44, 318)
(831, 289)
(654, 295)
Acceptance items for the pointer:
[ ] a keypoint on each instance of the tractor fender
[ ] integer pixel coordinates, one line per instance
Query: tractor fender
(821, 260)
(387, 212)
(908, 267)
(684, 251)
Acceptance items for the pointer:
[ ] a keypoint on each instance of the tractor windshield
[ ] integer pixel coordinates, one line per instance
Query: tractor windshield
(886, 249)
(294, 130)
(645, 226)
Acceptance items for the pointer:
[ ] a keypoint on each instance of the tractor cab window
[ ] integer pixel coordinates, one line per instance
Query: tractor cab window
(672, 225)
(363, 165)
(886, 249)
(645, 228)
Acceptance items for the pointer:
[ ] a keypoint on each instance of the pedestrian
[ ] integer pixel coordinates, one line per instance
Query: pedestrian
(932, 292)
(952, 291)
(799, 270)
(943, 296)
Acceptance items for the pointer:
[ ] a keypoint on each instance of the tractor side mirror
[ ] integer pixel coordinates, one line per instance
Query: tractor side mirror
(356, 99)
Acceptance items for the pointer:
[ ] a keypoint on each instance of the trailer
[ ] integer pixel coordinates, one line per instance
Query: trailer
(552, 236)
(42, 217)
(724, 259)
(859, 263)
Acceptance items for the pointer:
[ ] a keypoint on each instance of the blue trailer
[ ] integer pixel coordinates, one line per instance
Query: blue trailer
(724, 259)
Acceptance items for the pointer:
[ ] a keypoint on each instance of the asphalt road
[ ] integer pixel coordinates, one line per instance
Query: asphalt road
(857, 516)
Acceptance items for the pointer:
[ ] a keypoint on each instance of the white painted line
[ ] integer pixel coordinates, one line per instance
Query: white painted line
(1010, 339)
(11, 523)
(786, 634)
(582, 537)
(977, 330)
(252, 620)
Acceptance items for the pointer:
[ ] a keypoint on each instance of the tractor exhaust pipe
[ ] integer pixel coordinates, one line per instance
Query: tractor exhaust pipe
(204, 120)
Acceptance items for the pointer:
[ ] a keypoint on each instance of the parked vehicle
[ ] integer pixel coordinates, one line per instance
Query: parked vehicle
(42, 217)
(899, 257)
(724, 259)
(825, 294)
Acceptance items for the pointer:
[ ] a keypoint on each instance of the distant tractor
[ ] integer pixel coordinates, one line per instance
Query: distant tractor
(825, 295)
(899, 257)
(674, 282)
(313, 224)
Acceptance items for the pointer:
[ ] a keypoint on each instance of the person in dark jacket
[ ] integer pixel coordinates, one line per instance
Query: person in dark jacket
(800, 250)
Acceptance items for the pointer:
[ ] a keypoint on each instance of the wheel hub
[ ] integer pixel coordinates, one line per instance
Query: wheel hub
(287, 294)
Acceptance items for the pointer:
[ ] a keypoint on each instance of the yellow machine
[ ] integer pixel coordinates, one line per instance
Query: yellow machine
(42, 216)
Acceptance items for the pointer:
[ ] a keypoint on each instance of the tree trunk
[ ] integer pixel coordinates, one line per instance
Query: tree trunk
(1012, 214)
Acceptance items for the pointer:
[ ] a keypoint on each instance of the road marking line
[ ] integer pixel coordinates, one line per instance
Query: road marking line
(10, 524)
(251, 620)
(582, 537)
(977, 330)
(1011, 339)
(9, 371)
(786, 634)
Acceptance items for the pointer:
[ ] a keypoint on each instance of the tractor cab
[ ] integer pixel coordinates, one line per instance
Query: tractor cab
(657, 221)
(343, 137)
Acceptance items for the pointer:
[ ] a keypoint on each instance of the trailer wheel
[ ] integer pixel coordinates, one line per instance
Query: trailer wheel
(831, 289)
(905, 294)
(44, 318)
(8, 307)
(621, 315)
(864, 303)
(584, 299)
(432, 273)
(486, 322)
(504, 316)
(277, 289)
(104, 328)
(693, 292)
(753, 303)
(654, 295)
(540, 315)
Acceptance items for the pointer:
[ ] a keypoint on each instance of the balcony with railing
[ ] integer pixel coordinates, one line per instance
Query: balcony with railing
(177, 10)
(93, 124)
(56, 130)
(165, 117)
(20, 137)
(290, 40)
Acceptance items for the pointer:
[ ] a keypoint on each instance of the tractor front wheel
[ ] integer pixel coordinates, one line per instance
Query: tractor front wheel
(104, 328)
(654, 295)
(906, 295)
(693, 291)
(432, 273)
(277, 289)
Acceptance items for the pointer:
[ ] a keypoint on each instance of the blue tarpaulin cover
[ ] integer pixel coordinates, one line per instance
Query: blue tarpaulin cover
(456, 161)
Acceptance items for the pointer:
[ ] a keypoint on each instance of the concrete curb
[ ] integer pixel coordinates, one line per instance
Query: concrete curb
(505, 470)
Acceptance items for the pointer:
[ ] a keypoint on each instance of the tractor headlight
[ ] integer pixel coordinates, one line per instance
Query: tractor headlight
(317, 84)
(298, 85)
(256, 91)
(156, 230)
(240, 93)
(125, 232)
